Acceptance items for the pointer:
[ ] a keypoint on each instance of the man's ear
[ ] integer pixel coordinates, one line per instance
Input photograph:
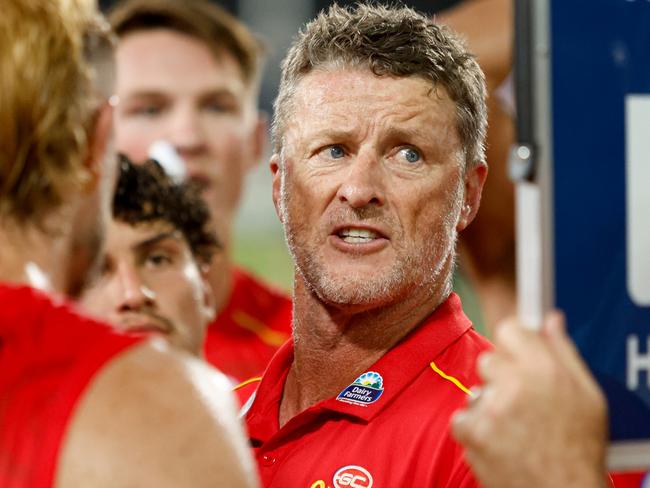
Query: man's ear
(259, 138)
(474, 181)
(274, 165)
(99, 136)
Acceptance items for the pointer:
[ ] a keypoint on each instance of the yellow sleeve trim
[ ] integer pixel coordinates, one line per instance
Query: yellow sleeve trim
(247, 382)
(455, 381)
(265, 333)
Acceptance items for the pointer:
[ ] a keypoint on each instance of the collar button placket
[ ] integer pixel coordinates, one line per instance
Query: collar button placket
(268, 459)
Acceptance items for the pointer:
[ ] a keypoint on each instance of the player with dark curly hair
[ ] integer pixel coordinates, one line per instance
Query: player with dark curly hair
(145, 194)
(159, 245)
(197, 94)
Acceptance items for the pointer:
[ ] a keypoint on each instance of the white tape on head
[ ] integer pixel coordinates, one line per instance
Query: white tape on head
(166, 155)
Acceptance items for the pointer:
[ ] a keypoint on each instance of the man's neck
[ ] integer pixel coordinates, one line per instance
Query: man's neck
(220, 273)
(343, 345)
(220, 279)
(31, 257)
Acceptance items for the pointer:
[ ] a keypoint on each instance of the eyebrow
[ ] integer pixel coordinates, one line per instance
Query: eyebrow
(406, 133)
(403, 134)
(150, 94)
(218, 92)
(159, 94)
(334, 134)
(152, 241)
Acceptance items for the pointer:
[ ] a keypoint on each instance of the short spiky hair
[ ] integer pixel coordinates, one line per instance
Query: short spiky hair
(389, 41)
(146, 194)
(201, 19)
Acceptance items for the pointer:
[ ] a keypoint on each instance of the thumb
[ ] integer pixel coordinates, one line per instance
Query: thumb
(562, 347)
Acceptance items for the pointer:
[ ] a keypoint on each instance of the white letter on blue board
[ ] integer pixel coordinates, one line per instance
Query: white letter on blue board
(637, 362)
(637, 142)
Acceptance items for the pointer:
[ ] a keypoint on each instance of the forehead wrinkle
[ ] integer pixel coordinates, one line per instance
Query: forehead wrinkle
(393, 122)
(324, 117)
(341, 113)
(321, 98)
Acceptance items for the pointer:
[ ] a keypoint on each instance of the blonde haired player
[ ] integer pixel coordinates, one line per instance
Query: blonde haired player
(81, 405)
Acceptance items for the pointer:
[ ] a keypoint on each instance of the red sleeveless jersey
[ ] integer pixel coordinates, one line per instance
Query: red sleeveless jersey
(48, 356)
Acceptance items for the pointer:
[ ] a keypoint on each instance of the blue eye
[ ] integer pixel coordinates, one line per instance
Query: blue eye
(411, 155)
(336, 152)
(221, 107)
(215, 107)
(149, 111)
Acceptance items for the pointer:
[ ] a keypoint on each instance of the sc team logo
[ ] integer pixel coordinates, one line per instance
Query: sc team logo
(365, 390)
(352, 477)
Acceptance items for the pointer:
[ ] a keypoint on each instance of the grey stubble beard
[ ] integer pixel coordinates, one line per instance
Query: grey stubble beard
(407, 275)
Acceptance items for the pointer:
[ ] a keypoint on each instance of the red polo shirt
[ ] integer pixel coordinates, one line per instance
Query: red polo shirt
(390, 429)
(48, 357)
(255, 322)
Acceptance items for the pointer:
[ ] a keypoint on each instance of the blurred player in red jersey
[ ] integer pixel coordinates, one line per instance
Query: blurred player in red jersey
(487, 249)
(82, 405)
(188, 75)
(158, 248)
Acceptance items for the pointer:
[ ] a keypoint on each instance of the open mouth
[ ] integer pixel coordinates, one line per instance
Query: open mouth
(357, 236)
(358, 239)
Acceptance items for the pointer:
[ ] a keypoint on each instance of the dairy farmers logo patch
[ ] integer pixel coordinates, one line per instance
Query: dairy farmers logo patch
(365, 390)
(353, 477)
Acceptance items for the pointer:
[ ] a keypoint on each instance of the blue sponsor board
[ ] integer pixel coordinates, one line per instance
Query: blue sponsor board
(600, 94)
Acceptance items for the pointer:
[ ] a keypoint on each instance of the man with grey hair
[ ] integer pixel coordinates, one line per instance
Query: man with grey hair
(378, 164)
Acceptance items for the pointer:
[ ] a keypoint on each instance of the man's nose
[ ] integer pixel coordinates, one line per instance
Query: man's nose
(186, 132)
(363, 182)
(135, 294)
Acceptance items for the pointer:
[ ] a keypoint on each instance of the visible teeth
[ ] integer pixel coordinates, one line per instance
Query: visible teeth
(356, 240)
(355, 236)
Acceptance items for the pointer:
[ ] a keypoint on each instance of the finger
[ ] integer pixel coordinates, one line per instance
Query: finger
(460, 421)
(483, 467)
(472, 426)
(512, 339)
(463, 426)
(492, 366)
(563, 348)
